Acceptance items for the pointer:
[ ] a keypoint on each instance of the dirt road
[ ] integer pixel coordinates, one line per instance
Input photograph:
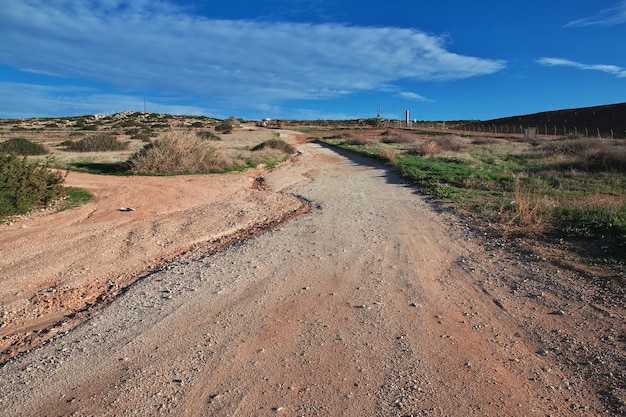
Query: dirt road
(372, 304)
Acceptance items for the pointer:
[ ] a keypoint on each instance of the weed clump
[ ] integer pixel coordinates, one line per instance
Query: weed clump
(177, 153)
(96, 143)
(21, 146)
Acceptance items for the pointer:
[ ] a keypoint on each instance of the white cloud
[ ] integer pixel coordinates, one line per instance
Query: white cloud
(607, 17)
(560, 62)
(153, 45)
(413, 96)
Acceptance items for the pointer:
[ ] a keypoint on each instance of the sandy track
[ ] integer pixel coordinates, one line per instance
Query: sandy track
(371, 304)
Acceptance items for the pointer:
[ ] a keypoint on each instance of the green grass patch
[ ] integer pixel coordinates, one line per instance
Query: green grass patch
(106, 168)
(76, 197)
(569, 189)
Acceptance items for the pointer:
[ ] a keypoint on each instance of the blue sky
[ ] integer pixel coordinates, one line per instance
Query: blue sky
(310, 59)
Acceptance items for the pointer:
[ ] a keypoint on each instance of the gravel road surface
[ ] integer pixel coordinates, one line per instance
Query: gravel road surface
(368, 305)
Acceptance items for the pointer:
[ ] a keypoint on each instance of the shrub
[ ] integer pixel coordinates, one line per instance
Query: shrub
(450, 143)
(96, 143)
(427, 148)
(591, 154)
(225, 127)
(359, 141)
(132, 131)
(399, 138)
(278, 144)
(177, 153)
(24, 187)
(486, 141)
(438, 145)
(388, 155)
(22, 146)
(208, 136)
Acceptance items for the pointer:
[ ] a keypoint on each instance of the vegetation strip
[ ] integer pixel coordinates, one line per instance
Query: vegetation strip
(567, 190)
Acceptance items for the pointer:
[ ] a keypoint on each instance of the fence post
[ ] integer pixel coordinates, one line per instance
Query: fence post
(598, 129)
(586, 133)
(554, 130)
(611, 133)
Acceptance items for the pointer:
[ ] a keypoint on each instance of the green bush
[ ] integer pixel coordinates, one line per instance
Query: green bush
(22, 146)
(177, 153)
(96, 143)
(225, 127)
(24, 187)
(208, 135)
(278, 144)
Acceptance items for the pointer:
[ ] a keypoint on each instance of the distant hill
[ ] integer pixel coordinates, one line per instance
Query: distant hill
(567, 122)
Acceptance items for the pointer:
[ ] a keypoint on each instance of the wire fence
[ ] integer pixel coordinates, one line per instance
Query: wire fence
(524, 130)
(546, 130)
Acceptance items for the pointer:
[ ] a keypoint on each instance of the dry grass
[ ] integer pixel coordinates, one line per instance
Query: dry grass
(400, 138)
(589, 154)
(359, 141)
(523, 215)
(388, 155)
(438, 146)
(179, 152)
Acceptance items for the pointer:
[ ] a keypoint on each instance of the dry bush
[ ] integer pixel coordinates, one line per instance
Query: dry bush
(486, 141)
(402, 138)
(589, 154)
(388, 155)
(359, 141)
(523, 215)
(450, 143)
(340, 136)
(424, 149)
(438, 145)
(178, 153)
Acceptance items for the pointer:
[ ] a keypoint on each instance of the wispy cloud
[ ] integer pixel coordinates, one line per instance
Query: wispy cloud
(560, 62)
(607, 17)
(151, 45)
(413, 96)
